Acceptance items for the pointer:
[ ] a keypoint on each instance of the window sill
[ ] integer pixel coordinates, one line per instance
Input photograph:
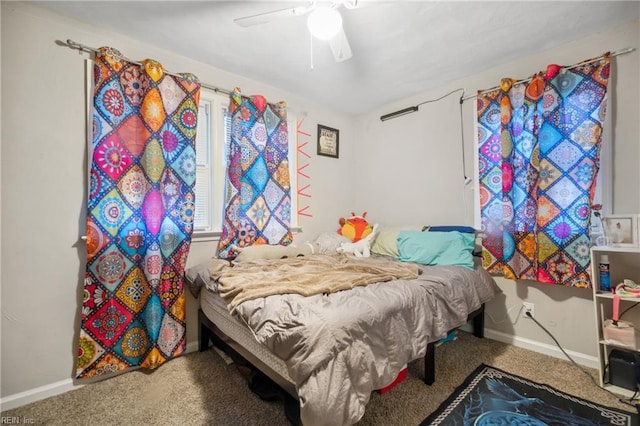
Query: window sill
(205, 236)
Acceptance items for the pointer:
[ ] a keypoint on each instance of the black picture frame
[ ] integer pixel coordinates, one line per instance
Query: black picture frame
(328, 141)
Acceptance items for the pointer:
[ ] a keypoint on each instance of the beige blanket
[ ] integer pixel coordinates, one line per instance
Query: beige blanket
(308, 275)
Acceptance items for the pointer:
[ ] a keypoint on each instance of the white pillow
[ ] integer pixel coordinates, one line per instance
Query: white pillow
(264, 251)
(328, 242)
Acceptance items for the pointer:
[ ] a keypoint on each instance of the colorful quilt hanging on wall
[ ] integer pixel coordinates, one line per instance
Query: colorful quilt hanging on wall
(139, 215)
(539, 146)
(258, 193)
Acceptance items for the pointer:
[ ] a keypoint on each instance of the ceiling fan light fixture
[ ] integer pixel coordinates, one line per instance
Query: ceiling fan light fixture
(324, 23)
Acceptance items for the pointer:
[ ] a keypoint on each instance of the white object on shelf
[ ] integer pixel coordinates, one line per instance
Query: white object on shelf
(621, 334)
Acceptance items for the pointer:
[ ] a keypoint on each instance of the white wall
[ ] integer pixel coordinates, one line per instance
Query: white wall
(43, 185)
(409, 173)
(409, 169)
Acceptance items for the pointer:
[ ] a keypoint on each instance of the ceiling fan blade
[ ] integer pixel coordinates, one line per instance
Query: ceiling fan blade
(263, 18)
(340, 46)
(351, 4)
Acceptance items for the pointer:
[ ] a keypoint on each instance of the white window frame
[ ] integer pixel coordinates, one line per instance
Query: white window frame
(213, 107)
(212, 165)
(604, 180)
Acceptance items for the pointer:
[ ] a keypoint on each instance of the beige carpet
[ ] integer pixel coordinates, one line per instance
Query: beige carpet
(201, 389)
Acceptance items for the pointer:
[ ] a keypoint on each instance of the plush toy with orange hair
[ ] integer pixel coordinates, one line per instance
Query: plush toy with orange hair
(355, 228)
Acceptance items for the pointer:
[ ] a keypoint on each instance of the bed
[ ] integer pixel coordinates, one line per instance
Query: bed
(330, 350)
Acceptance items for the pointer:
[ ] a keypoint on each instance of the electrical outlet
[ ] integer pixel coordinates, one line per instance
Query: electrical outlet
(528, 307)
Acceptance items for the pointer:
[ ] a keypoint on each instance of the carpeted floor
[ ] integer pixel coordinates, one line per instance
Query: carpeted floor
(201, 389)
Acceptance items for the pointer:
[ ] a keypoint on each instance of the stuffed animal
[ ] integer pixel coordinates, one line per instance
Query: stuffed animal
(355, 228)
(361, 247)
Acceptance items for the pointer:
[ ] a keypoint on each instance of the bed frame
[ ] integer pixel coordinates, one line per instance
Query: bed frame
(477, 319)
(208, 331)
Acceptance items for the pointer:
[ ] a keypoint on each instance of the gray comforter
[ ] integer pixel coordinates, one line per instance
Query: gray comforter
(339, 347)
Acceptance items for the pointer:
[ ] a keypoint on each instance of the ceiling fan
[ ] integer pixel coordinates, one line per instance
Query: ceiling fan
(324, 23)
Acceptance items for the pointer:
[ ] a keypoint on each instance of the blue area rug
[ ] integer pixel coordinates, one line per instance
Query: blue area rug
(490, 396)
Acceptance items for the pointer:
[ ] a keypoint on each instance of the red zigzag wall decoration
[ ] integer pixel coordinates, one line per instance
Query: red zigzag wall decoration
(302, 140)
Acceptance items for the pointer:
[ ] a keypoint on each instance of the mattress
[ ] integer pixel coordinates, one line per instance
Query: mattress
(215, 308)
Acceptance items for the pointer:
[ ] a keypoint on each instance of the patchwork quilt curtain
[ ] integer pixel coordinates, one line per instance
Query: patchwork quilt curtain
(539, 145)
(258, 194)
(139, 214)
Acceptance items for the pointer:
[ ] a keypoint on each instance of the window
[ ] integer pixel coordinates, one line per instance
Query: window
(211, 163)
(537, 159)
(213, 129)
(604, 180)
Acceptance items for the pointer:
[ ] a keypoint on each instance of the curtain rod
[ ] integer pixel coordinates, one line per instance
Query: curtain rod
(83, 48)
(526, 80)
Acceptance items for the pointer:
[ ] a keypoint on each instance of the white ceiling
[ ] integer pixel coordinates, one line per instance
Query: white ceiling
(399, 48)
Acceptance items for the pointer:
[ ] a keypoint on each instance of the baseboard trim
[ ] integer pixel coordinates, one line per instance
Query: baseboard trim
(32, 395)
(543, 348)
(23, 398)
(27, 397)
(191, 347)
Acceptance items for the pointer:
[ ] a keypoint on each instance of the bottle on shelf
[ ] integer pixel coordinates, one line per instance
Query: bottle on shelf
(605, 273)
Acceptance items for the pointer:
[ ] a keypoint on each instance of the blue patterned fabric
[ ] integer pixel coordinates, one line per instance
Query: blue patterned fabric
(539, 147)
(139, 215)
(258, 193)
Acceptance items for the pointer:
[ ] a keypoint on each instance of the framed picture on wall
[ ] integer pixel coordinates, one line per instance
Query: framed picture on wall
(328, 141)
(622, 229)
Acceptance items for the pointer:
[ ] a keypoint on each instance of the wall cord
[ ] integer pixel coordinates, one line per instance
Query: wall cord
(626, 402)
(628, 309)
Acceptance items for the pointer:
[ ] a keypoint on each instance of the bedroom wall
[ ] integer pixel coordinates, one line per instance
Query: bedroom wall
(43, 187)
(409, 172)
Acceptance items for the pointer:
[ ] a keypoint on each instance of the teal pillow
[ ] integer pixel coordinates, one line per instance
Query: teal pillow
(436, 248)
